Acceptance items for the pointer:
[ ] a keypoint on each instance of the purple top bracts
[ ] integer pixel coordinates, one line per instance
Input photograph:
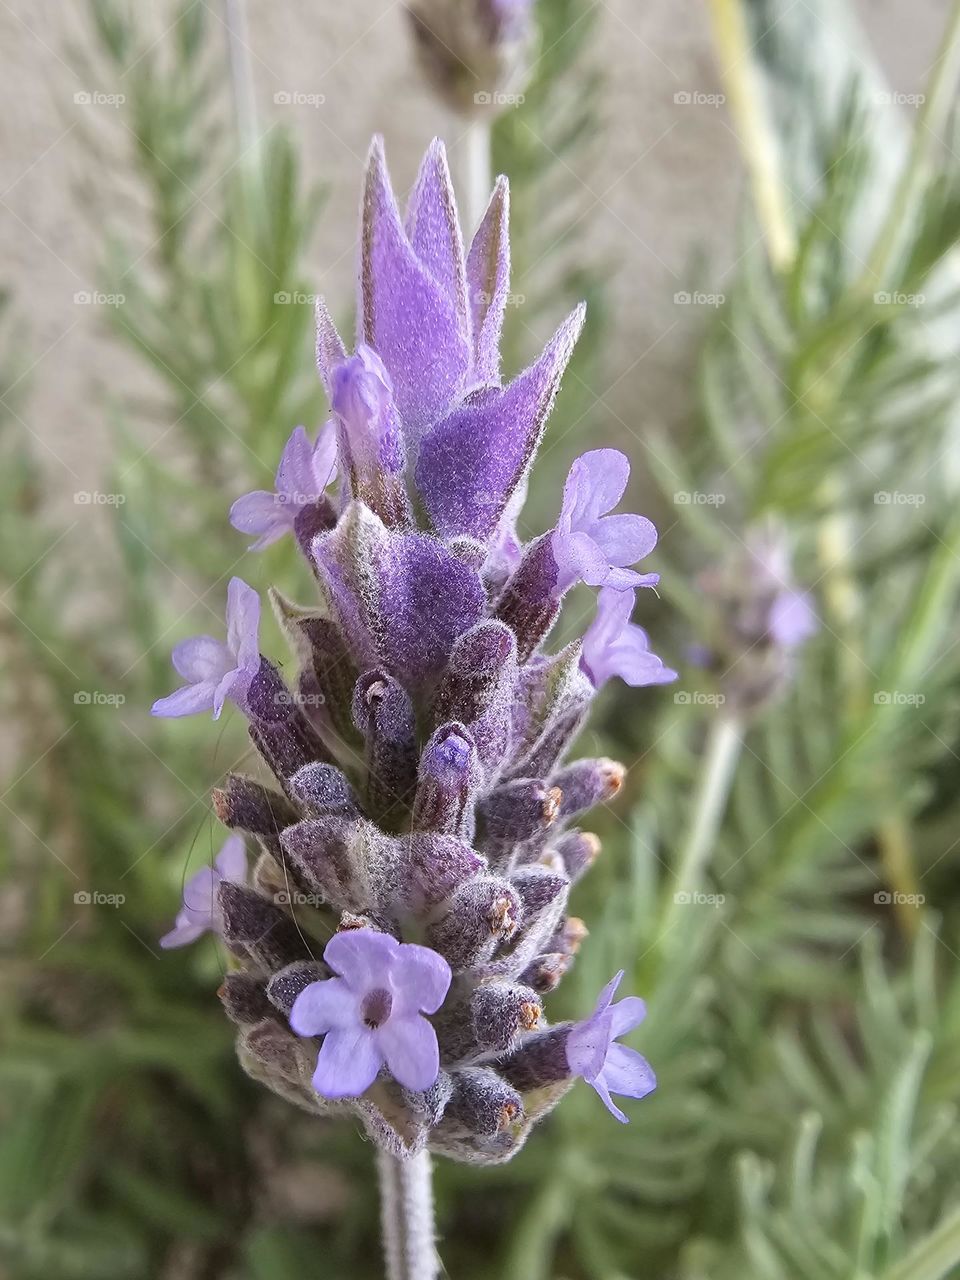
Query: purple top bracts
(408, 910)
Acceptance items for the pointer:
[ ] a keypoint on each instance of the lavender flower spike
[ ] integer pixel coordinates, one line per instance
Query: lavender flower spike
(372, 1013)
(199, 913)
(304, 472)
(424, 801)
(606, 1066)
(614, 646)
(591, 546)
(215, 671)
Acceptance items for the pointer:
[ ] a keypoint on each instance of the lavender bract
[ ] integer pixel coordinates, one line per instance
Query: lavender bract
(425, 812)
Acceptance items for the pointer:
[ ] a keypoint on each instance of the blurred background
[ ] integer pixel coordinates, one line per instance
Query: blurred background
(760, 200)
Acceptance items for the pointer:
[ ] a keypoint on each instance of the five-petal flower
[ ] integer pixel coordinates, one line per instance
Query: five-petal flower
(589, 545)
(371, 1014)
(304, 472)
(606, 1066)
(215, 670)
(614, 646)
(199, 913)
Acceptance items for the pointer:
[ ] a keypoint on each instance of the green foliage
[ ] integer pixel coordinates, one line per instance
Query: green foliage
(805, 1028)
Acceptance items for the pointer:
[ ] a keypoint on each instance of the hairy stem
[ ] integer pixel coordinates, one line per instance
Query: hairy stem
(719, 765)
(406, 1217)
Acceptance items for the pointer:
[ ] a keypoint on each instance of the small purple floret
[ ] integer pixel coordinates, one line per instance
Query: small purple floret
(792, 619)
(589, 545)
(614, 646)
(304, 472)
(215, 670)
(606, 1066)
(362, 398)
(199, 913)
(372, 1013)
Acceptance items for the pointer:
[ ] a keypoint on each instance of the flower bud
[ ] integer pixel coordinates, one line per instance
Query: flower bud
(447, 780)
(481, 915)
(383, 713)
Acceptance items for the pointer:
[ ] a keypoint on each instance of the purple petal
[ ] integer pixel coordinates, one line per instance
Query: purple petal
(625, 539)
(433, 228)
(595, 484)
(325, 1006)
(473, 461)
(404, 314)
(628, 1072)
(604, 1094)
(347, 1063)
(588, 1044)
(231, 861)
(579, 559)
(421, 980)
(362, 957)
(330, 348)
(792, 618)
(627, 1014)
(234, 684)
(294, 481)
(201, 658)
(188, 701)
(605, 997)
(263, 514)
(243, 624)
(324, 461)
(409, 1046)
(200, 897)
(182, 934)
(488, 280)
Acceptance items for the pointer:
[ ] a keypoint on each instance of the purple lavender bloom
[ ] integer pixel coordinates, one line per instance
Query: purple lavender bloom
(589, 545)
(362, 396)
(304, 472)
(614, 646)
(372, 1013)
(606, 1066)
(792, 618)
(215, 670)
(199, 913)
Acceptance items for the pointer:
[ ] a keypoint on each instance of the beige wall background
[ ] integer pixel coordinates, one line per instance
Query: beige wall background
(664, 181)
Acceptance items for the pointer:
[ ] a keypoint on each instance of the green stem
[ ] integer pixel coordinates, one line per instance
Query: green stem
(719, 765)
(738, 71)
(936, 108)
(241, 74)
(934, 1257)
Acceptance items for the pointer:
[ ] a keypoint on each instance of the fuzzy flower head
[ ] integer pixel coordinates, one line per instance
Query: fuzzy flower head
(215, 670)
(371, 1014)
(614, 646)
(594, 1055)
(199, 913)
(588, 544)
(304, 472)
